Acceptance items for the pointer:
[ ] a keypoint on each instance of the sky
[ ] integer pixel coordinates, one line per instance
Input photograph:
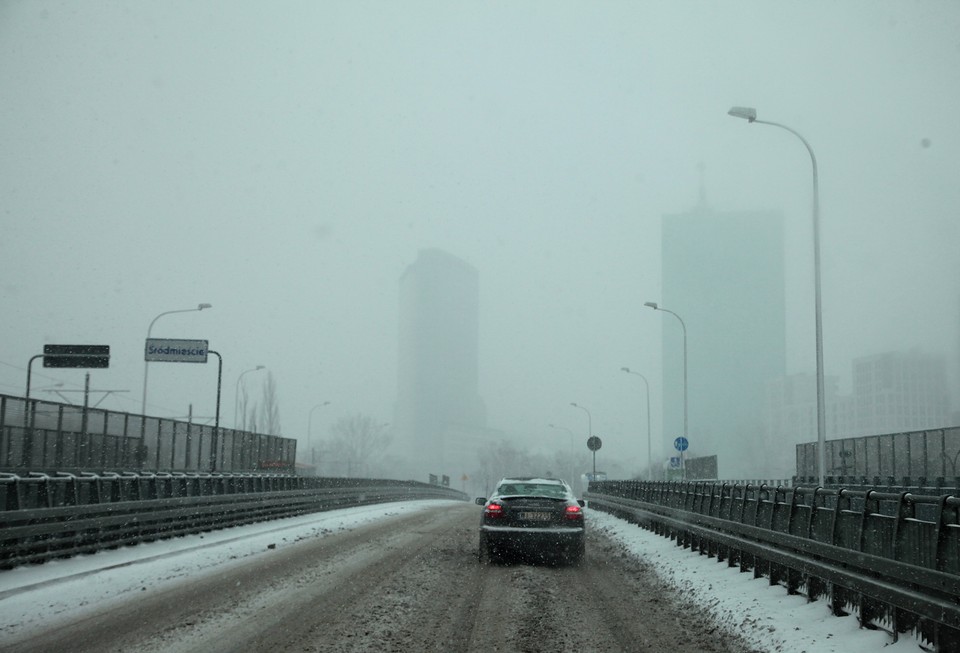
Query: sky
(767, 616)
(285, 162)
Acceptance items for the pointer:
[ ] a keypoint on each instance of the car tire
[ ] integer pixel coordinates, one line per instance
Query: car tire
(484, 552)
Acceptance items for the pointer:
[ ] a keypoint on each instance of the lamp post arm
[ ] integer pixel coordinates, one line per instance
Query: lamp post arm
(821, 406)
(683, 327)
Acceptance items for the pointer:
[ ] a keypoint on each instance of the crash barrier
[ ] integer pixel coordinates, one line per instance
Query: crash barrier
(893, 559)
(44, 435)
(49, 517)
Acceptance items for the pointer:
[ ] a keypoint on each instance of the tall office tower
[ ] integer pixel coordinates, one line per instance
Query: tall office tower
(723, 274)
(439, 413)
(900, 391)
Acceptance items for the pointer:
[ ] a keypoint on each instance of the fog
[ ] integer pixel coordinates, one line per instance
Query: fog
(286, 162)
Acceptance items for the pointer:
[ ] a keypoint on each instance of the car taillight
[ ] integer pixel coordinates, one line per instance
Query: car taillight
(573, 512)
(493, 510)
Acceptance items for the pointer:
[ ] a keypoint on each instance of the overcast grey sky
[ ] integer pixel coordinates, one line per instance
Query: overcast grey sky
(285, 161)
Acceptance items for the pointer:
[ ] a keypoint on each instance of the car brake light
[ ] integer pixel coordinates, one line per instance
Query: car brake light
(573, 512)
(494, 510)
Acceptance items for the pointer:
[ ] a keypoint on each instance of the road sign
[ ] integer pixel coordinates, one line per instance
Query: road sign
(176, 351)
(674, 462)
(76, 356)
(593, 443)
(681, 444)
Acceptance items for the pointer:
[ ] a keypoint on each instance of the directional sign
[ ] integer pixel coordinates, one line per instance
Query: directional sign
(176, 351)
(593, 443)
(681, 444)
(674, 462)
(76, 356)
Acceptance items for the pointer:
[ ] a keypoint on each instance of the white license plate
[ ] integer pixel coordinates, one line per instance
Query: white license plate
(535, 516)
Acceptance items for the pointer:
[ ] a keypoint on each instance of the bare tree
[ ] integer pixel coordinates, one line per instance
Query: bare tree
(270, 408)
(262, 417)
(357, 442)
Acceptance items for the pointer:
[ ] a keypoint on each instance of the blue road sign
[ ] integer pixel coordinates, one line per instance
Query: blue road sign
(674, 462)
(681, 444)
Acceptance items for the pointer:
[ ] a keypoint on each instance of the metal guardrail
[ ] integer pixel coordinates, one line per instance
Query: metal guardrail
(47, 517)
(894, 559)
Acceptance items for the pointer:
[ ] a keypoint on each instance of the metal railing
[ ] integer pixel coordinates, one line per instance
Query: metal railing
(893, 558)
(45, 517)
(39, 435)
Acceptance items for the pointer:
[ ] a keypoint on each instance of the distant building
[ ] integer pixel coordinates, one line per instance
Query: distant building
(900, 391)
(893, 392)
(723, 274)
(438, 405)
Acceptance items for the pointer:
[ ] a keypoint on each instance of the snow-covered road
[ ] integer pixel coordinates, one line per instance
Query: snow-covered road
(350, 579)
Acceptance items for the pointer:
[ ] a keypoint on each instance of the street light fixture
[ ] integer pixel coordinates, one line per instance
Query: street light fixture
(683, 326)
(750, 115)
(589, 418)
(236, 394)
(310, 432)
(649, 441)
(146, 364)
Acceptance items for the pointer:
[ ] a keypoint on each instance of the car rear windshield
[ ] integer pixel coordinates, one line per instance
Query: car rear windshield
(533, 489)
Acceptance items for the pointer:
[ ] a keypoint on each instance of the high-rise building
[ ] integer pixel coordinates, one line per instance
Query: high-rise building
(892, 392)
(900, 391)
(438, 405)
(723, 274)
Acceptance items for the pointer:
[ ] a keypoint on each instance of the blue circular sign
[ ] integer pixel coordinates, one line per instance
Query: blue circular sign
(681, 444)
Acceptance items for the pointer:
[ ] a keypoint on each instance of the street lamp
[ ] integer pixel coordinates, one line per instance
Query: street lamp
(589, 418)
(309, 431)
(236, 394)
(146, 364)
(649, 442)
(683, 326)
(750, 115)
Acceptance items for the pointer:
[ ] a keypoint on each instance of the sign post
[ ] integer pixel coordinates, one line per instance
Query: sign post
(594, 443)
(681, 444)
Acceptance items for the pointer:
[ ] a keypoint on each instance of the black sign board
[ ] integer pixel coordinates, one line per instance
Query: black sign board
(76, 355)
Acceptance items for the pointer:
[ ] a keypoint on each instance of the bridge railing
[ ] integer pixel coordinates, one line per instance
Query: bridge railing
(40, 435)
(45, 517)
(892, 557)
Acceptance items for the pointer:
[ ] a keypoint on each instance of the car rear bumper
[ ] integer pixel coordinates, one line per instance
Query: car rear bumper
(537, 537)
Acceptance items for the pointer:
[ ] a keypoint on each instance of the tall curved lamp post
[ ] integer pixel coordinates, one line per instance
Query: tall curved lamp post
(683, 326)
(750, 115)
(313, 458)
(589, 418)
(236, 393)
(649, 441)
(146, 364)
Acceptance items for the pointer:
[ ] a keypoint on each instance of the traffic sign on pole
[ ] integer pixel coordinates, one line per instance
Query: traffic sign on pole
(681, 444)
(96, 356)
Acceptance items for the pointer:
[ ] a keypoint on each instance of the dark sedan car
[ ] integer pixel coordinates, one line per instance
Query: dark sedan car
(532, 517)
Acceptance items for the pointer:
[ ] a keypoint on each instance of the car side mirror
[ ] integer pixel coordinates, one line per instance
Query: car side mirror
(480, 501)
(582, 503)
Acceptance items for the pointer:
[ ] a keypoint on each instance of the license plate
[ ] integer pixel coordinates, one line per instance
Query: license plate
(535, 516)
